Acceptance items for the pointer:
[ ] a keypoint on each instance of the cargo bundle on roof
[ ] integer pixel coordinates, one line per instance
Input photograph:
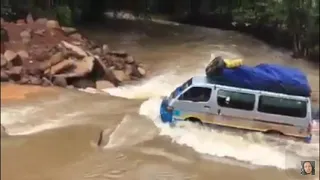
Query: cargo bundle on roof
(263, 77)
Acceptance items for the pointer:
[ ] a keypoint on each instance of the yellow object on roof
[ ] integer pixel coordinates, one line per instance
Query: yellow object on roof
(233, 63)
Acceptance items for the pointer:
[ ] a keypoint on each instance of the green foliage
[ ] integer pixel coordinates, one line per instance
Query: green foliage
(64, 15)
(299, 18)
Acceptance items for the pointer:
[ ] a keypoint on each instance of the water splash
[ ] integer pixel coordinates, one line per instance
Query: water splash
(251, 148)
(130, 131)
(222, 144)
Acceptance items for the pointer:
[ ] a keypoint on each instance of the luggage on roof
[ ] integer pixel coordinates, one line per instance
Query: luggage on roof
(264, 77)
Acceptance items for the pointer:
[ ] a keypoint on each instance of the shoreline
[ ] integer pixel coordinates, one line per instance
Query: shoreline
(11, 92)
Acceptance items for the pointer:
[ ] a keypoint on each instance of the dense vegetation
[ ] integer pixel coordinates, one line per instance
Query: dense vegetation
(290, 23)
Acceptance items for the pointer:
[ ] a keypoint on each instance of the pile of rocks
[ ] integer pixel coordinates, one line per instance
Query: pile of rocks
(41, 52)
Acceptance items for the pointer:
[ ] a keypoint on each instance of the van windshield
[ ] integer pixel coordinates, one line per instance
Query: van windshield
(181, 88)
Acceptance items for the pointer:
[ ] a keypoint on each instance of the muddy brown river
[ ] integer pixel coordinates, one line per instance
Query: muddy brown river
(54, 135)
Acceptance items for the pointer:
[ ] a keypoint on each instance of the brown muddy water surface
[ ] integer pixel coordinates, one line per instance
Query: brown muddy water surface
(54, 131)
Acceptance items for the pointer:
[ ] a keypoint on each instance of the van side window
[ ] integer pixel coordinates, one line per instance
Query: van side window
(236, 100)
(196, 94)
(282, 106)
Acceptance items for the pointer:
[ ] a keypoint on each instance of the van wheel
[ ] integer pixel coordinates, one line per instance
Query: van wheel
(194, 120)
(274, 133)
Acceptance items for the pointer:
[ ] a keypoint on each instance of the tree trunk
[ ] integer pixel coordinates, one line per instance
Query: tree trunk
(295, 45)
(195, 7)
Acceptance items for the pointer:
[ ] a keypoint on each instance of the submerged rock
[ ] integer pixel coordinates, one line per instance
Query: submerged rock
(3, 131)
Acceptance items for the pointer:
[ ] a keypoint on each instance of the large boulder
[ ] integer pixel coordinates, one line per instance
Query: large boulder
(4, 35)
(52, 24)
(121, 75)
(43, 21)
(84, 66)
(26, 36)
(68, 30)
(59, 67)
(24, 55)
(14, 73)
(12, 58)
(103, 84)
(60, 81)
(4, 76)
(4, 61)
(55, 59)
(82, 82)
(29, 19)
(74, 48)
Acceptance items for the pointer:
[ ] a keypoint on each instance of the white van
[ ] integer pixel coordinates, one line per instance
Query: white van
(200, 100)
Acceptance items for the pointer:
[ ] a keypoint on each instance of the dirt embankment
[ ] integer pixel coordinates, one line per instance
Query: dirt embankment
(41, 52)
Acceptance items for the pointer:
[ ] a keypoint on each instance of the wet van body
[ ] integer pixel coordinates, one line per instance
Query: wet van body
(201, 100)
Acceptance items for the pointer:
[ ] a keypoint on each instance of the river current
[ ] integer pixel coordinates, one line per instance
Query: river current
(54, 136)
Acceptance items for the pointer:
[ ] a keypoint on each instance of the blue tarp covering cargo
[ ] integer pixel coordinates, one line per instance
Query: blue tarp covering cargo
(266, 77)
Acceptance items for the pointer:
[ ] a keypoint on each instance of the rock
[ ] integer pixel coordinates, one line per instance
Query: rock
(4, 35)
(81, 68)
(46, 82)
(105, 49)
(97, 51)
(24, 80)
(52, 24)
(103, 84)
(26, 34)
(76, 36)
(68, 30)
(15, 73)
(118, 63)
(21, 22)
(72, 54)
(3, 131)
(83, 83)
(129, 59)
(76, 43)
(23, 54)
(42, 21)
(39, 54)
(55, 59)
(60, 81)
(61, 66)
(26, 41)
(13, 58)
(10, 55)
(4, 76)
(39, 32)
(141, 71)
(2, 47)
(33, 69)
(84, 66)
(29, 19)
(120, 53)
(33, 80)
(74, 48)
(101, 71)
(120, 75)
(3, 61)
(128, 69)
